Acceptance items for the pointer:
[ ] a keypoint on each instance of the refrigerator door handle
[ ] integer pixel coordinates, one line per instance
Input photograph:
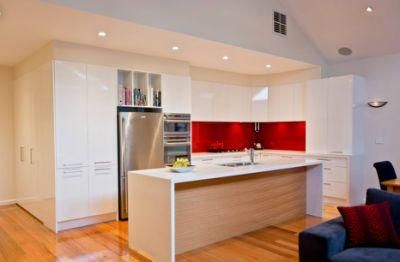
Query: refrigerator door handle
(123, 147)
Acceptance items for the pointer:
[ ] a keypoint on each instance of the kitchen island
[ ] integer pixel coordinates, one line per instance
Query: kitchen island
(172, 213)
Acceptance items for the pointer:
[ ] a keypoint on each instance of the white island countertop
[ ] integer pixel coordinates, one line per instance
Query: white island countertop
(212, 171)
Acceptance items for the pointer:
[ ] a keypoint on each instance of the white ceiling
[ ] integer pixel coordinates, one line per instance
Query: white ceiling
(332, 24)
(27, 25)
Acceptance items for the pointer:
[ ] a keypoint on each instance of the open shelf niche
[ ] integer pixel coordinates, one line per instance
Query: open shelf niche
(139, 89)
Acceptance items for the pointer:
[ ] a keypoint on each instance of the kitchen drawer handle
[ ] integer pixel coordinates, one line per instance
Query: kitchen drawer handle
(102, 162)
(336, 152)
(207, 159)
(31, 155)
(327, 184)
(324, 159)
(103, 169)
(326, 168)
(73, 165)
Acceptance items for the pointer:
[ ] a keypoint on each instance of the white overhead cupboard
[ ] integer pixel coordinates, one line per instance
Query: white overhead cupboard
(232, 103)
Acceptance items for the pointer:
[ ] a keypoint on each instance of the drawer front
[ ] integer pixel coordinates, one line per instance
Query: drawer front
(335, 189)
(335, 174)
(341, 162)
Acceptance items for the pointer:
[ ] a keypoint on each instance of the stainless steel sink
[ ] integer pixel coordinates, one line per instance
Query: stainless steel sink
(236, 164)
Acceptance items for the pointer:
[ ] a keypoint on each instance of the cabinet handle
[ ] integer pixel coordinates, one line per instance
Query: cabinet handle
(104, 172)
(71, 173)
(327, 184)
(336, 152)
(326, 168)
(324, 159)
(22, 153)
(207, 159)
(31, 155)
(102, 162)
(73, 165)
(103, 169)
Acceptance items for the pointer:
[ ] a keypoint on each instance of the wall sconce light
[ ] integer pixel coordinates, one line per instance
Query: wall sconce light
(377, 104)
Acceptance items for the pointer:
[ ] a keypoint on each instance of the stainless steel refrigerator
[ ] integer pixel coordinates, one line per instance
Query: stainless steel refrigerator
(140, 146)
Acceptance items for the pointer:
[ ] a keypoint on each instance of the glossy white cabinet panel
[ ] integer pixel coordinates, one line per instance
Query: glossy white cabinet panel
(259, 104)
(235, 104)
(70, 114)
(280, 104)
(340, 115)
(203, 97)
(102, 137)
(102, 114)
(176, 94)
(299, 102)
(72, 193)
(317, 116)
(102, 189)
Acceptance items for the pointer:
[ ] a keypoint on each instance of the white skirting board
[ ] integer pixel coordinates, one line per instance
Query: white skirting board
(86, 221)
(7, 202)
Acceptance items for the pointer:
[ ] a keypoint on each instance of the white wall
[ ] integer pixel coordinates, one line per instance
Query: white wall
(243, 23)
(383, 82)
(6, 137)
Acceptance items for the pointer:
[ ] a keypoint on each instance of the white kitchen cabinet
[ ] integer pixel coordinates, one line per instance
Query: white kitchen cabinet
(71, 114)
(335, 114)
(176, 94)
(286, 103)
(72, 201)
(203, 97)
(102, 137)
(259, 104)
(280, 103)
(340, 115)
(102, 114)
(220, 102)
(317, 117)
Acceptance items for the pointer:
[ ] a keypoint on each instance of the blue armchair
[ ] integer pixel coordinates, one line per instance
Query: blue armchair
(326, 242)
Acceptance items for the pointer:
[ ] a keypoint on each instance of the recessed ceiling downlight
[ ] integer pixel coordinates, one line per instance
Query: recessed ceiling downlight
(345, 51)
(369, 9)
(101, 34)
(225, 57)
(175, 48)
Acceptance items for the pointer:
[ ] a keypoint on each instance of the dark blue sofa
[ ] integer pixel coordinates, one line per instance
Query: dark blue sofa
(326, 242)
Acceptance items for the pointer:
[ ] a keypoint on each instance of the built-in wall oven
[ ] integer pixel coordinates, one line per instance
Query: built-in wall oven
(177, 137)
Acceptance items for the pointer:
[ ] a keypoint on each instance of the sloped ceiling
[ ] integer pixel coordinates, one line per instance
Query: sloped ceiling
(332, 24)
(242, 23)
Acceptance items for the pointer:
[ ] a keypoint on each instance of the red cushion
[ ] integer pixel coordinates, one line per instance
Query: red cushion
(370, 225)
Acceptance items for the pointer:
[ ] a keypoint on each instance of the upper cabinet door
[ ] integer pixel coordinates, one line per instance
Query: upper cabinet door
(176, 94)
(280, 104)
(340, 115)
(236, 103)
(203, 96)
(259, 104)
(299, 102)
(317, 116)
(102, 113)
(70, 114)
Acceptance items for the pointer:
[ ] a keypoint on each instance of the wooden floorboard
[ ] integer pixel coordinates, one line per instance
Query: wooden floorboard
(23, 238)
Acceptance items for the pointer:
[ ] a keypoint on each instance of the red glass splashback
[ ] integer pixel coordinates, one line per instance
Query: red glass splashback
(209, 136)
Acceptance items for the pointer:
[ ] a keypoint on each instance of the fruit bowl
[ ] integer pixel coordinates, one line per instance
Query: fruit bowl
(181, 169)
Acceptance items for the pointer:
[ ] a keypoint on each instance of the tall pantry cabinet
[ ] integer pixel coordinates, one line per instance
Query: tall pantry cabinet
(81, 177)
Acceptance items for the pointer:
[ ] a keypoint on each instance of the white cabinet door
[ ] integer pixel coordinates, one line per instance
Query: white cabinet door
(102, 114)
(317, 116)
(299, 103)
(235, 104)
(340, 108)
(102, 138)
(70, 114)
(102, 189)
(280, 104)
(259, 104)
(176, 94)
(203, 97)
(72, 193)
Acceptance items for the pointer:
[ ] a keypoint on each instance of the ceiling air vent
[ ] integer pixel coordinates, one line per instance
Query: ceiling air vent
(280, 23)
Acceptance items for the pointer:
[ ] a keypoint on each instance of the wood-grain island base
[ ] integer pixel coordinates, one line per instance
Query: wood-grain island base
(213, 210)
(170, 214)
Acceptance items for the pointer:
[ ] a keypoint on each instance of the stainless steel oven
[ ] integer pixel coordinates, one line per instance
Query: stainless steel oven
(177, 139)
